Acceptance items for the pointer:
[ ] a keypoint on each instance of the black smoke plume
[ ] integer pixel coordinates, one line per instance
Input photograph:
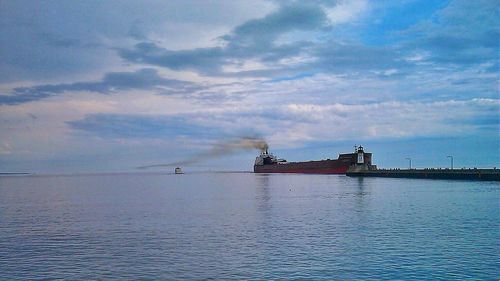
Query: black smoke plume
(219, 149)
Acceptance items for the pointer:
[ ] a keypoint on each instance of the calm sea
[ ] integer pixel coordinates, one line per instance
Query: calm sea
(245, 226)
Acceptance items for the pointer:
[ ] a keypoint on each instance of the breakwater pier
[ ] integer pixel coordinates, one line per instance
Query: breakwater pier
(453, 174)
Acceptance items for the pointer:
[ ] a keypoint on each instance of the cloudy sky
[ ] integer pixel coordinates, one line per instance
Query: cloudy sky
(89, 86)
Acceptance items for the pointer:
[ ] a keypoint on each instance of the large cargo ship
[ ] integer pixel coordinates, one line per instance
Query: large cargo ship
(268, 163)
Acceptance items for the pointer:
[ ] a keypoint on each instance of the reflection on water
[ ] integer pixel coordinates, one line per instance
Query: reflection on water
(263, 195)
(246, 226)
(360, 181)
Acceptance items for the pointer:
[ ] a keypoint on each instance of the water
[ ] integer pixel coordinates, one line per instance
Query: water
(247, 226)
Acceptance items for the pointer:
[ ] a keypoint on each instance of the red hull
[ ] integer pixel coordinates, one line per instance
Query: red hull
(337, 166)
(304, 171)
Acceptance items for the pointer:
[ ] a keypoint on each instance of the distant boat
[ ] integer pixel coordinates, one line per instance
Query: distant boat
(178, 171)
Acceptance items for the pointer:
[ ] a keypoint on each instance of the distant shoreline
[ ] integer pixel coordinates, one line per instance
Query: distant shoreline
(113, 173)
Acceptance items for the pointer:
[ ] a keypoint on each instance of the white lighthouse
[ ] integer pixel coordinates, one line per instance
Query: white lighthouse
(361, 155)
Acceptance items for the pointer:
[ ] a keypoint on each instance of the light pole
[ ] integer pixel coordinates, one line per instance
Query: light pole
(409, 159)
(451, 157)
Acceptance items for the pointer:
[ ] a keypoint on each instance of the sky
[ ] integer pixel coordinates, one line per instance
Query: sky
(106, 86)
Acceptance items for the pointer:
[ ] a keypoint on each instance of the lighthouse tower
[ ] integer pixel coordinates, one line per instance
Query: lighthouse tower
(361, 155)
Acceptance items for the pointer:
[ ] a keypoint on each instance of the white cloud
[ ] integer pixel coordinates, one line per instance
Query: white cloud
(346, 11)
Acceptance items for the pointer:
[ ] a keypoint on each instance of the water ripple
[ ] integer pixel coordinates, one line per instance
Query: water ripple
(247, 226)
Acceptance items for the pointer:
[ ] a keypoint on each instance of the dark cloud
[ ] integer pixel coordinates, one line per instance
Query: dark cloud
(45, 40)
(54, 41)
(256, 39)
(203, 125)
(464, 33)
(58, 40)
(143, 79)
(486, 121)
(136, 31)
(261, 33)
(253, 39)
(140, 126)
(203, 59)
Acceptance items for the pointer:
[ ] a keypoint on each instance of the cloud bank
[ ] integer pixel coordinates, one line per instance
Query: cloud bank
(125, 74)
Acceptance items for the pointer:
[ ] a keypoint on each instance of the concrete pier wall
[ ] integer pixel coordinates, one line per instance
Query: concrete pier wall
(458, 174)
